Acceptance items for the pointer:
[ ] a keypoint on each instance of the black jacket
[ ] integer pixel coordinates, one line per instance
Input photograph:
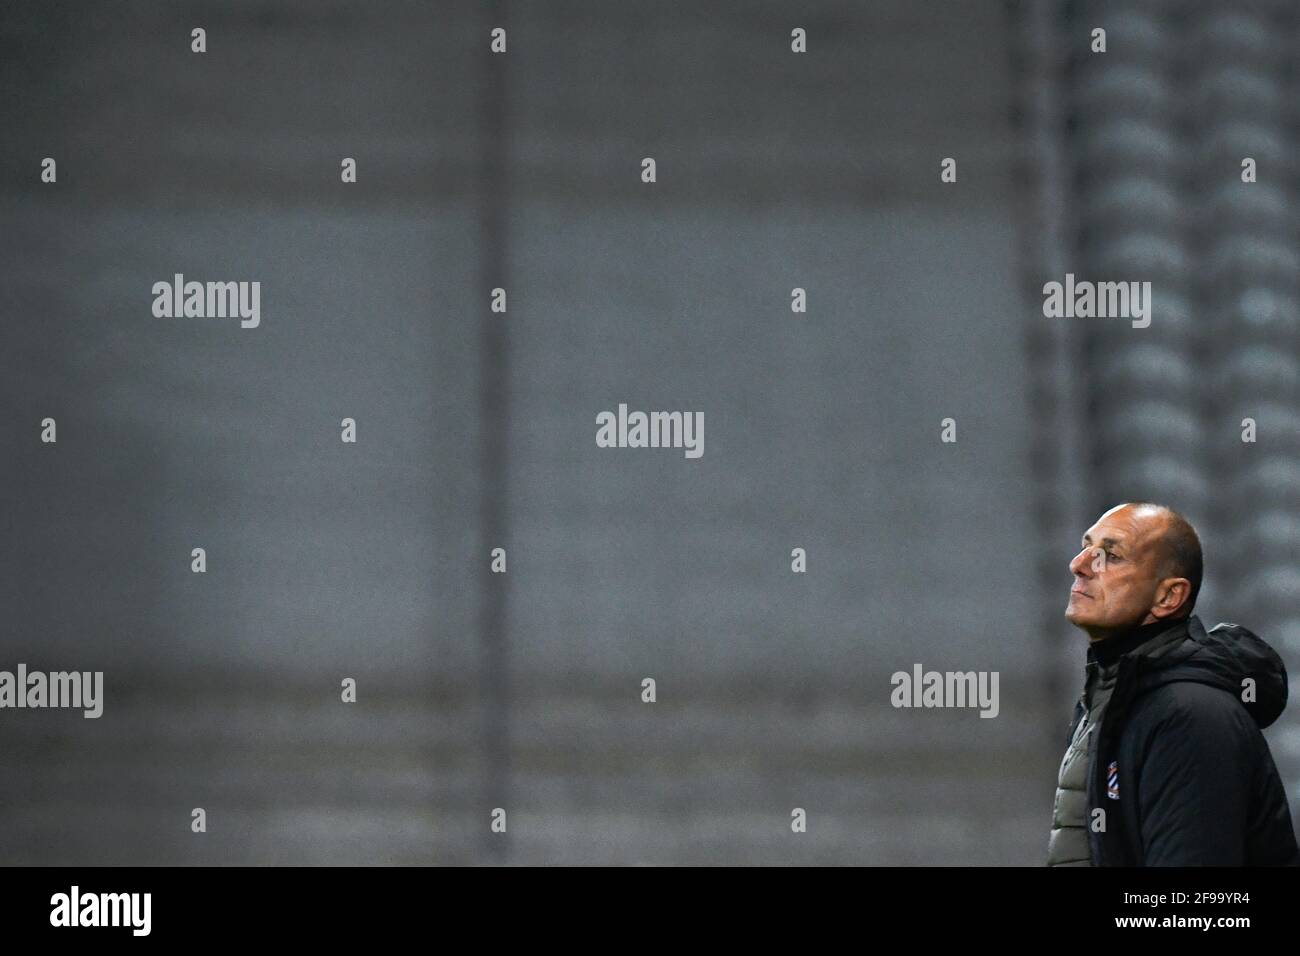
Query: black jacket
(1179, 763)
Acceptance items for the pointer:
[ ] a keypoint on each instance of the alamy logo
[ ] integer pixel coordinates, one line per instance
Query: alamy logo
(946, 689)
(1100, 300)
(656, 430)
(75, 908)
(57, 689)
(208, 300)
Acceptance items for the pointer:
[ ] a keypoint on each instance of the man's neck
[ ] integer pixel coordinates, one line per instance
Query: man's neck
(1096, 637)
(1110, 647)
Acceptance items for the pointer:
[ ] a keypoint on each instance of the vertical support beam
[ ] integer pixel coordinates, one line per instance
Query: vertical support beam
(1055, 351)
(494, 427)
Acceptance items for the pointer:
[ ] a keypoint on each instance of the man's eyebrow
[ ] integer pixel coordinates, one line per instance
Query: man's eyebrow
(1106, 542)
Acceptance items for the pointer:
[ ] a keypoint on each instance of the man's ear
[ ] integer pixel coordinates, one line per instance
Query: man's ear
(1171, 595)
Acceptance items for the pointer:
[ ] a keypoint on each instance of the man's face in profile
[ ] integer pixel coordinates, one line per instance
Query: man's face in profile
(1116, 572)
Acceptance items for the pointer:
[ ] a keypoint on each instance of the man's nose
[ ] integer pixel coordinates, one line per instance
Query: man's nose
(1082, 563)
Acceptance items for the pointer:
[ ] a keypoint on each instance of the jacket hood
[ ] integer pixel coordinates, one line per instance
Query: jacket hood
(1225, 656)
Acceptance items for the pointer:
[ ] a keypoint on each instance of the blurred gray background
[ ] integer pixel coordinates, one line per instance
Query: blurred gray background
(476, 430)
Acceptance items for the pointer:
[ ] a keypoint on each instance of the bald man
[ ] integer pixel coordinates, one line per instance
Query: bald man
(1165, 764)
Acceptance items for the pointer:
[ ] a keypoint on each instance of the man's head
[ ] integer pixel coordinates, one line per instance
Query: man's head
(1140, 563)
